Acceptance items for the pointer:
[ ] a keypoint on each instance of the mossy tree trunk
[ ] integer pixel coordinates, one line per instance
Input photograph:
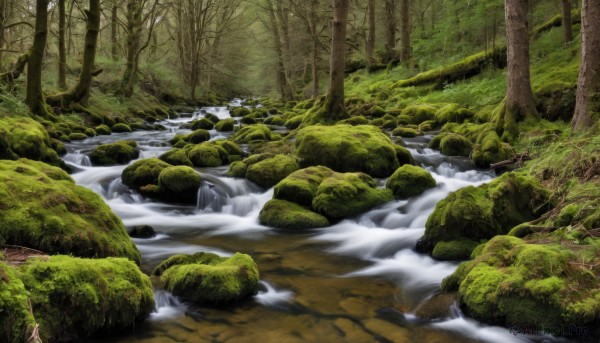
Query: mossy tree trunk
(390, 30)
(567, 21)
(35, 98)
(114, 21)
(335, 96)
(405, 31)
(520, 103)
(587, 108)
(62, 53)
(370, 43)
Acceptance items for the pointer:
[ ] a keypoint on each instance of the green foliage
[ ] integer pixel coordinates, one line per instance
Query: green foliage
(121, 152)
(208, 278)
(409, 181)
(42, 208)
(83, 297)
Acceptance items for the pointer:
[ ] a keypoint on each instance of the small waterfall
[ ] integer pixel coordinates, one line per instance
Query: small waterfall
(210, 198)
(271, 296)
(166, 306)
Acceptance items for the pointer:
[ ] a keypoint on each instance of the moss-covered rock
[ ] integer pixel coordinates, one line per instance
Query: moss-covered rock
(275, 120)
(346, 148)
(209, 278)
(202, 124)
(454, 144)
(301, 186)
(179, 183)
(239, 111)
(143, 172)
(212, 117)
(77, 136)
(16, 322)
(288, 215)
(405, 132)
(454, 250)
(121, 127)
(480, 213)
(225, 125)
(24, 137)
(453, 113)
(176, 157)
(511, 282)
(490, 149)
(197, 137)
(419, 113)
(265, 170)
(79, 298)
(355, 120)
(42, 208)
(252, 133)
(103, 130)
(121, 152)
(409, 181)
(294, 122)
(208, 155)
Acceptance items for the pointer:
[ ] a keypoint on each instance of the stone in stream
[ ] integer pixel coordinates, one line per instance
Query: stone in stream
(409, 181)
(387, 330)
(209, 278)
(121, 152)
(352, 331)
(265, 170)
(437, 307)
(142, 231)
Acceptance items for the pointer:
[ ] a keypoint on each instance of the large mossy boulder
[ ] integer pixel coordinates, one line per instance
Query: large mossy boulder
(291, 216)
(453, 144)
(143, 172)
(316, 192)
(490, 149)
(453, 113)
(16, 322)
(265, 170)
(346, 148)
(208, 155)
(176, 157)
(252, 133)
(480, 213)
(42, 208)
(26, 138)
(409, 181)
(209, 278)
(79, 298)
(121, 152)
(179, 183)
(511, 282)
(419, 113)
(225, 125)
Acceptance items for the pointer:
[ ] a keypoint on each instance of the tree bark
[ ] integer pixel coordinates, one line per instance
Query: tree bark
(134, 28)
(520, 102)
(114, 44)
(405, 31)
(34, 97)
(587, 108)
(62, 53)
(314, 18)
(390, 30)
(567, 22)
(282, 82)
(370, 46)
(2, 23)
(335, 96)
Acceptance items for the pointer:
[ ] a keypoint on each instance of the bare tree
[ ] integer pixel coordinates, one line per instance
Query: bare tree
(390, 30)
(587, 106)
(34, 97)
(370, 42)
(405, 30)
(335, 96)
(62, 53)
(567, 21)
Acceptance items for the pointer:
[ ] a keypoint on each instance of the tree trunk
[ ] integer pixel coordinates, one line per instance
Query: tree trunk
(390, 30)
(134, 28)
(62, 53)
(335, 96)
(114, 44)
(35, 98)
(370, 46)
(587, 108)
(520, 102)
(280, 72)
(567, 21)
(2, 23)
(315, 68)
(405, 31)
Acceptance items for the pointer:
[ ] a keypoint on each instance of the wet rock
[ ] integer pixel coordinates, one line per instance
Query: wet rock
(121, 152)
(142, 231)
(387, 330)
(409, 181)
(352, 331)
(437, 307)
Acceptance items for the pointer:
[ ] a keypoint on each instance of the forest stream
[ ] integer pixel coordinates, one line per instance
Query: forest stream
(359, 280)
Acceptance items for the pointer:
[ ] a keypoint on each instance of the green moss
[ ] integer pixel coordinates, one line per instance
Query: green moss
(16, 323)
(409, 181)
(103, 130)
(197, 136)
(404, 156)
(143, 172)
(376, 111)
(202, 124)
(405, 132)
(275, 120)
(213, 118)
(490, 149)
(355, 121)
(208, 278)
(225, 125)
(455, 145)
(265, 170)
(42, 208)
(121, 152)
(301, 186)
(176, 157)
(179, 183)
(84, 297)
(90, 132)
(419, 113)
(77, 136)
(121, 127)
(24, 137)
(480, 213)
(252, 133)
(453, 113)
(239, 111)
(207, 155)
(294, 122)
(364, 148)
(288, 215)
(346, 195)
(454, 250)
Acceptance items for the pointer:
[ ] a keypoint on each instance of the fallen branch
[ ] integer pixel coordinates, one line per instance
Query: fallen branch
(518, 159)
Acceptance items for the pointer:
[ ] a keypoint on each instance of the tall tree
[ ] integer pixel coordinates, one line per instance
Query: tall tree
(390, 30)
(566, 20)
(370, 42)
(405, 28)
(62, 53)
(335, 96)
(281, 75)
(587, 108)
(520, 102)
(34, 97)
(114, 34)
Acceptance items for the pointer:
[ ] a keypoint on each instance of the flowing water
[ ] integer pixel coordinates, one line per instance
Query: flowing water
(357, 281)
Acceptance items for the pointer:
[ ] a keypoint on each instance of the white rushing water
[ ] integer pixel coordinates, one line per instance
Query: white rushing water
(385, 237)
